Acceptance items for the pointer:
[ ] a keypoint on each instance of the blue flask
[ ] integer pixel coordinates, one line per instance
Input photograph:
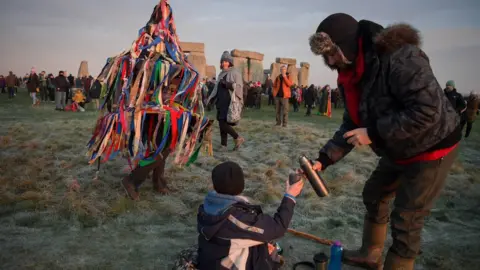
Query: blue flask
(335, 256)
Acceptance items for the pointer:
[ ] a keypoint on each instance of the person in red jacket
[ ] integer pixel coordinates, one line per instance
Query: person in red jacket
(394, 104)
(282, 94)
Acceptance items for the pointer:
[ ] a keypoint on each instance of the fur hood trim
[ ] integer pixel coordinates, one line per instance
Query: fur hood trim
(395, 36)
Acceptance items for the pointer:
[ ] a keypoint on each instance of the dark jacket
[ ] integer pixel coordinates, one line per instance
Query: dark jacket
(87, 84)
(95, 90)
(33, 83)
(457, 100)
(11, 80)
(225, 222)
(71, 80)
(61, 84)
(402, 105)
(310, 95)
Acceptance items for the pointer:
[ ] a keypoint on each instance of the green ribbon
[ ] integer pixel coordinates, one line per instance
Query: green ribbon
(194, 157)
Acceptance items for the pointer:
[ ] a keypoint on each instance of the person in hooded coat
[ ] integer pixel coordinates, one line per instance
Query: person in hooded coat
(457, 100)
(229, 83)
(233, 233)
(309, 99)
(394, 104)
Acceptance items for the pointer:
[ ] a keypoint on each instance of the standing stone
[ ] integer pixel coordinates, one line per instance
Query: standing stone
(211, 72)
(256, 71)
(275, 70)
(83, 69)
(199, 62)
(304, 73)
(247, 54)
(286, 61)
(292, 69)
(241, 64)
(192, 47)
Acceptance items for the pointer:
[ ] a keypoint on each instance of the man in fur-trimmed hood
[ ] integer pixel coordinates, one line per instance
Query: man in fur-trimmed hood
(394, 104)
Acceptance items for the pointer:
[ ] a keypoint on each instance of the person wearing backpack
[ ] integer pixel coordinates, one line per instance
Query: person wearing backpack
(228, 93)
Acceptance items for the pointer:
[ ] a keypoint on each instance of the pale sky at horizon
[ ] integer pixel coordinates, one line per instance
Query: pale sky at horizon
(58, 34)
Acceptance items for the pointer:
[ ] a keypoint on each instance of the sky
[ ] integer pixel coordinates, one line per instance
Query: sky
(55, 35)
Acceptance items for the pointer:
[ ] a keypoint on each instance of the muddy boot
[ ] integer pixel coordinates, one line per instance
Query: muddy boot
(130, 188)
(369, 256)
(395, 262)
(238, 142)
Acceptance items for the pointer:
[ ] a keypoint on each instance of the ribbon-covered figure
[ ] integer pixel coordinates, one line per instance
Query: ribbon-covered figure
(152, 106)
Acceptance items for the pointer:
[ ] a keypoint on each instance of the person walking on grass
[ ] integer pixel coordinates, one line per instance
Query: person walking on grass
(229, 85)
(33, 84)
(61, 88)
(11, 83)
(282, 94)
(394, 104)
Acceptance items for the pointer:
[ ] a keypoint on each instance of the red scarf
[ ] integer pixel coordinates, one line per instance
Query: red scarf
(349, 79)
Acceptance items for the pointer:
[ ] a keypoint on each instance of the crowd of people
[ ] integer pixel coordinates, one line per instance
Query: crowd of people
(67, 92)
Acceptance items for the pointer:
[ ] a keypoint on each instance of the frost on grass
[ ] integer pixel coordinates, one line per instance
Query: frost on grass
(57, 213)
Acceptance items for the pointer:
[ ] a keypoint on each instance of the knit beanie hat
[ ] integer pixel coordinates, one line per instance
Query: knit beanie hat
(338, 29)
(227, 57)
(227, 178)
(451, 83)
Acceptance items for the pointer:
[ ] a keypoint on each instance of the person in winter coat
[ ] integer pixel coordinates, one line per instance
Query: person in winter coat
(87, 84)
(11, 83)
(269, 90)
(235, 234)
(51, 86)
(33, 84)
(472, 111)
(229, 84)
(309, 99)
(394, 104)
(282, 94)
(2, 84)
(61, 88)
(323, 100)
(258, 95)
(43, 86)
(71, 81)
(95, 93)
(294, 97)
(457, 100)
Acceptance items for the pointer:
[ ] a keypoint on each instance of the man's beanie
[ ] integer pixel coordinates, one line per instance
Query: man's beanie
(227, 178)
(451, 83)
(227, 57)
(342, 30)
